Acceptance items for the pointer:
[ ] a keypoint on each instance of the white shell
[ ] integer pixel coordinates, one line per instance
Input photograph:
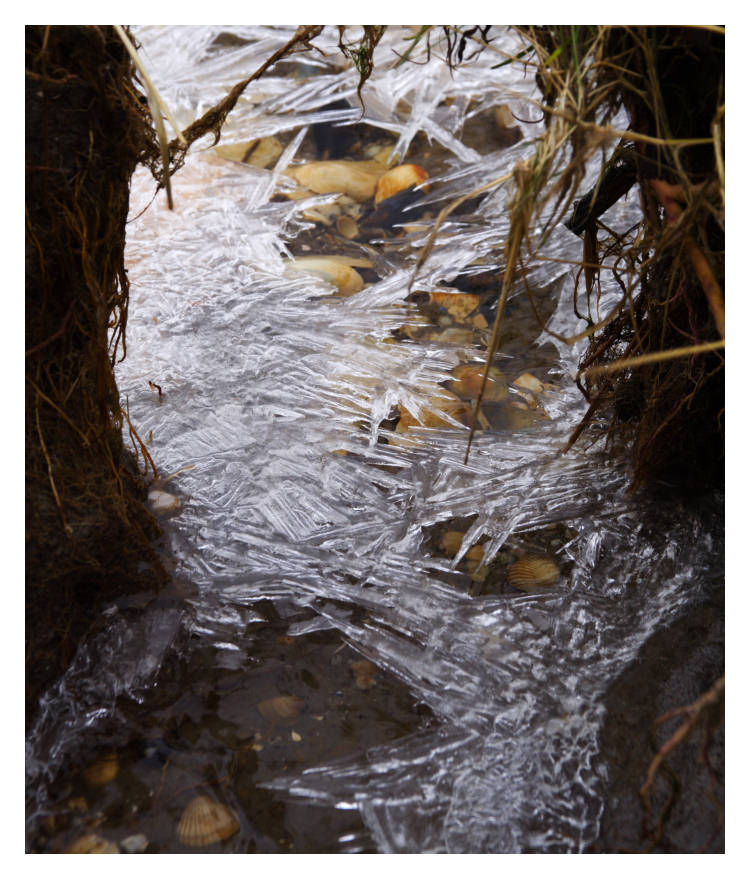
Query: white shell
(259, 153)
(529, 382)
(281, 710)
(347, 226)
(205, 821)
(162, 501)
(355, 179)
(135, 844)
(343, 277)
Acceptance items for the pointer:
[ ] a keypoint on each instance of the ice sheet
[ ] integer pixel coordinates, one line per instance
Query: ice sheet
(266, 375)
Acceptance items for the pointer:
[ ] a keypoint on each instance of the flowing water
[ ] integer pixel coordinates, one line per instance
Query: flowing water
(335, 659)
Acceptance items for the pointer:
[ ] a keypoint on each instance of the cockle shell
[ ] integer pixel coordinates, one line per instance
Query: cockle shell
(205, 821)
(92, 844)
(355, 179)
(531, 573)
(346, 279)
(451, 542)
(102, 771)
(468, 381)
(281, 710)
(399, 178)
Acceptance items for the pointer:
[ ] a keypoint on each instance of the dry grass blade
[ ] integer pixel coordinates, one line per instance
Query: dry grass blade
(519, 227)
(446, 212)
(157, 107)
(153, 92)
(653, 357)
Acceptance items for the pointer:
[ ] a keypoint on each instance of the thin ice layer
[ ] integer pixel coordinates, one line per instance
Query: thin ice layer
(267, 378)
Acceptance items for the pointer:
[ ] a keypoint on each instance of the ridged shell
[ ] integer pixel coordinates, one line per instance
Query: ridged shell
(92, 844)
(205, 821)
(451, 542)
(529, 574)
(399, 178)
(281, 710)
(346, 279)
(468, 380)
(102, 771)
(355, 179)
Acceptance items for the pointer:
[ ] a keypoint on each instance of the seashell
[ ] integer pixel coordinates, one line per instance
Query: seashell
(458, 305)
(507, 129)
(529, 382)
(343, 277)
(347, 226)
(323, 213)
(531, 573)
(102, 772)
(503, 117)
(399, 178)
(282, 710)
(205, 821)
(163, 502)
(437, 413)
(92, 844)
(451, 542)
(296, 737)
(461, 336)
(259, 153)
(364, 673)
(468, 380)
(135, 844)
(355, 179)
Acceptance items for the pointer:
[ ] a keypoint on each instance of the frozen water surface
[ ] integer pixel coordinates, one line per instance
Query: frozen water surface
(267, 378)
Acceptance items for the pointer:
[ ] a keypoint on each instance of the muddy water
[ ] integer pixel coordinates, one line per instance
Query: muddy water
(346, 659)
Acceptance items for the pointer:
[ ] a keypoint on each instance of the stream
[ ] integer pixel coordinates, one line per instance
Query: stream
(341, 658)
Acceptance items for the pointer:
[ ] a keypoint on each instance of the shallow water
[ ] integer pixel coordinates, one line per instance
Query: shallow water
(308, 535)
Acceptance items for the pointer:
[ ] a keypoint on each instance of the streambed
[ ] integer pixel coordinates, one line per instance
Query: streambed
(327, 663)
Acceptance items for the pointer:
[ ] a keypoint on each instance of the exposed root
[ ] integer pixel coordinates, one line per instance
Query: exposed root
(693, 714)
